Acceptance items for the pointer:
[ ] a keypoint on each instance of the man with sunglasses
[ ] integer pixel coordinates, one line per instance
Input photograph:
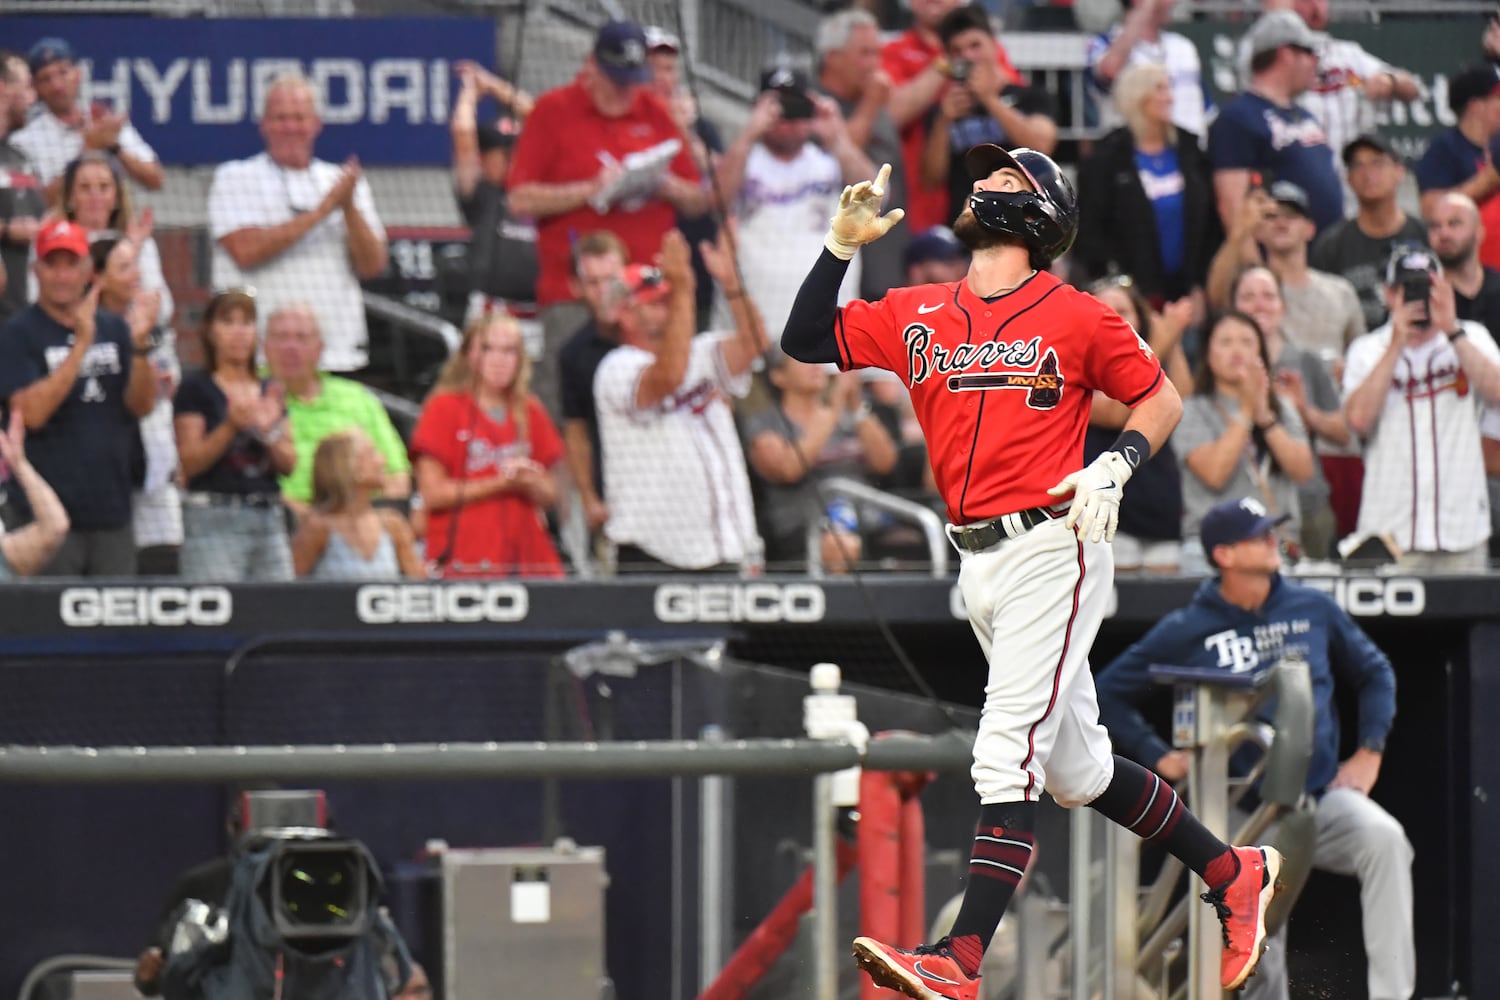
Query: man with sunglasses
(1250, 617)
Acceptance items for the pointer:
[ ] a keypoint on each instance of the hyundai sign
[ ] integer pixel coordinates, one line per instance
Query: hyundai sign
(194, 88)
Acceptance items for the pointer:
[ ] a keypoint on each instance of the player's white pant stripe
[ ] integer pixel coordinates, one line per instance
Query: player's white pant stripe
(996, 864)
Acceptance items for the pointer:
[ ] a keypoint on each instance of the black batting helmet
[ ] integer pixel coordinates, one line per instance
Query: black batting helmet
(1045, 218)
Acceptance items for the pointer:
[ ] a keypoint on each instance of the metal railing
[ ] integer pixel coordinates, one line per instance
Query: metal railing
(926, 519)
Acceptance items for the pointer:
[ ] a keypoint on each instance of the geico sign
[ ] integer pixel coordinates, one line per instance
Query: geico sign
(116, 607)
(1373, 596)
(736, 602)
(415, 603)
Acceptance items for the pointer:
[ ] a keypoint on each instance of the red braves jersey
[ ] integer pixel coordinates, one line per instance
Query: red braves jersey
(1002, 388)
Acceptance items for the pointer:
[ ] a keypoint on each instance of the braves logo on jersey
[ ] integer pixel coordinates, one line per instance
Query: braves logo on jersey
(971, 367)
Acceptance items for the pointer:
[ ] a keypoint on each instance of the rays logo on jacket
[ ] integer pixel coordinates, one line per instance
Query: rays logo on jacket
(1023, 365)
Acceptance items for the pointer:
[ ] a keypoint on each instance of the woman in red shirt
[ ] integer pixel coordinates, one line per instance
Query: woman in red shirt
(485, 449)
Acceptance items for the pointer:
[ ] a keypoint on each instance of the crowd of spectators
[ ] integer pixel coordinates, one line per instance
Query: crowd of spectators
(630, 270)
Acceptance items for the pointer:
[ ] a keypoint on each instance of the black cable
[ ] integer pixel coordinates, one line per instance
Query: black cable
(719, 208)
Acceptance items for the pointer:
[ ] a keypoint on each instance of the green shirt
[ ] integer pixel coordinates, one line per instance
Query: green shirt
(342, 403)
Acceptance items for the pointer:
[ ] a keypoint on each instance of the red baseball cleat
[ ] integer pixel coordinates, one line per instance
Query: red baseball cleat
(1241, 905)
(928, 973)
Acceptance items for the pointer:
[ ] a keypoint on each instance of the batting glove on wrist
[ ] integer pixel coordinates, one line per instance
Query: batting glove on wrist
(1097, 490)
(858, 220)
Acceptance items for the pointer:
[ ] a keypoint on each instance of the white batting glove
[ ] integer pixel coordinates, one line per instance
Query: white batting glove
(858, 220)
(1097, 490)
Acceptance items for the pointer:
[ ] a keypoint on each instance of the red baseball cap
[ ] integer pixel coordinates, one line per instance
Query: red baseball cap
(646, 283)
(62, 235)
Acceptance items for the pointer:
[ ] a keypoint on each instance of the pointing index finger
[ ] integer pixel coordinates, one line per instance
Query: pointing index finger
(881, 179)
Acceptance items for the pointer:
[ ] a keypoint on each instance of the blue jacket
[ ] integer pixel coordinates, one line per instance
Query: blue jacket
(1211, 632)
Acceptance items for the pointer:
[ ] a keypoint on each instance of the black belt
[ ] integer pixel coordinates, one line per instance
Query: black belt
(988, 534)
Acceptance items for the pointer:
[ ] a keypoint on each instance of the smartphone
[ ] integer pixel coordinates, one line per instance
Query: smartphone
(1418, 288)
(795, 105)
(958, 69)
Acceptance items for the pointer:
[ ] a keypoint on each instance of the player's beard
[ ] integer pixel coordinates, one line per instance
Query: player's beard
(975, 237)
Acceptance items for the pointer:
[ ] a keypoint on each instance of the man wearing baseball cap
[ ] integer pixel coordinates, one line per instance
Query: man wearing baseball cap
(1358, 247)
(1264, 130)
(569, 173)
(65, 128)
(82, 384)
(1459, 158)
(935, 256)
(1245, 621)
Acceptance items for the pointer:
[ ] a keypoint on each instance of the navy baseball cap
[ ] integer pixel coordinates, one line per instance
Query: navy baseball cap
(620, 51)
(936, 243)
(1236, 521)
(48, 51)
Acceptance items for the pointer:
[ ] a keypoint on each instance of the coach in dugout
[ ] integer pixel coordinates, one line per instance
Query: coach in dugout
(602, 152)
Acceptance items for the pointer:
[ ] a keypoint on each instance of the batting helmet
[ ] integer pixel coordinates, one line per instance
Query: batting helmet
(1045, 218)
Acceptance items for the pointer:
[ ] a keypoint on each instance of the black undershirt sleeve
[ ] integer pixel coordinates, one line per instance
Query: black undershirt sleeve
(809, 334)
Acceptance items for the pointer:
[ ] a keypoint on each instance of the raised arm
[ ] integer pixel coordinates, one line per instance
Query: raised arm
(667, 370)
(28, 549)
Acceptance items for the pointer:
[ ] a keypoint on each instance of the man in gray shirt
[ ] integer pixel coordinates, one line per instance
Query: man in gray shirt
(849, 72)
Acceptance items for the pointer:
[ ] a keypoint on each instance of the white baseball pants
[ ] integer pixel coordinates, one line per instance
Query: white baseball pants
(1035, 602)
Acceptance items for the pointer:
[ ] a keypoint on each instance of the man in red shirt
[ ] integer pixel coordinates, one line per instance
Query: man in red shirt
(602, 152)
(915, 62)
(1002, 367)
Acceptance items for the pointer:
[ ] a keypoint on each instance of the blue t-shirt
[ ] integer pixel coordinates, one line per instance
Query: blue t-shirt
(1450, 160)
(1161, 179)
(84, 450)
(1283, 144)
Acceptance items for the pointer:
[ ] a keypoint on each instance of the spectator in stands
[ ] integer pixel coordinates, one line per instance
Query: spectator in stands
(81, 381)
(1150, 532)
(601, 152)
(343, 536)
(297, 228)
(1146, 195)
(94, 195)
(1247, 619)
(984, 105)
(811, 435)
(664, 54)
(1357, 248)
(64, 128)
(599, 264)
(319, 404)
(26, 550)
(1323, 313)
(1265, 132)
(1236, 437)
(23, 199)
(1140, 40)
(1350, 83)
(233, 441)
(486, 456)
(1413, 390)
(849, 71)
(919, 68)
(1455, 232)
(1303, 382)
(1459, 158)
(935, 256)
(674, 472)
(502, 246)
(156, 504)
(782, 175)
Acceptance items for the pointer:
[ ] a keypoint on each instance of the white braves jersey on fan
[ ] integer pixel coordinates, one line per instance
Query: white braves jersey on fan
(1184, 72)
(783, 211)
(675, 478)
(1424, 471)
(316, 269)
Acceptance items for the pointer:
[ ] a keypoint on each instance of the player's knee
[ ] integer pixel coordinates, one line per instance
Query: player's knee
(1072, 792)
(1383, 839)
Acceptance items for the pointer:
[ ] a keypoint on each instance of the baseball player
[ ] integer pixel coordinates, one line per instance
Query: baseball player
(1002, 366)
(1250, 616)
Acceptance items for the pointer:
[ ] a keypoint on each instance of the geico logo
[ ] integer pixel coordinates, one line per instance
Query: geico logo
(1371, 597)
(415, 603)
(730, 602)
(118, 607)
